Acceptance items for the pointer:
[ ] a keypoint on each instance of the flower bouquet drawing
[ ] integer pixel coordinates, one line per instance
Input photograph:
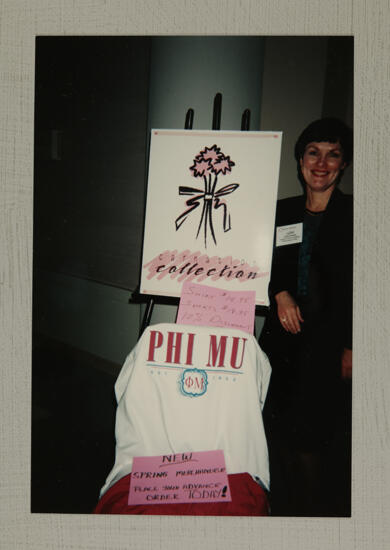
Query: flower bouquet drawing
(208, 165)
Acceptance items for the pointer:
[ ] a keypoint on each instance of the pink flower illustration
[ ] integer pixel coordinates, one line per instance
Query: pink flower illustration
(208, 164)
(210, 153)
(223, 165)
(200, 167)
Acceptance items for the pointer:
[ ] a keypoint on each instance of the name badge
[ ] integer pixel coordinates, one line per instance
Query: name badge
(289, 234)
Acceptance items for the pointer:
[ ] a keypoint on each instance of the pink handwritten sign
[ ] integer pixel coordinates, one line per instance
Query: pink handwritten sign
(215, 307)
(178, 478)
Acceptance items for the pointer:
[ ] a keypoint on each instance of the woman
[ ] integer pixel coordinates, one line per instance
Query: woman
(308, 332)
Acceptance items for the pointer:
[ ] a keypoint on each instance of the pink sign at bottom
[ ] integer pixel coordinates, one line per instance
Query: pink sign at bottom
(183, 477)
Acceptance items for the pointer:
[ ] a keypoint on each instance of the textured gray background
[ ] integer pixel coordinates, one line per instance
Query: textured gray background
(20, 22)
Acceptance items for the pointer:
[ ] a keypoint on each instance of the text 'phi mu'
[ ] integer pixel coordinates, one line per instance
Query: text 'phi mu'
(177, 347)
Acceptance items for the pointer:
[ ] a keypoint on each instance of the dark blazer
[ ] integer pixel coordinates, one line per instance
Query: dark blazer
(331, 258)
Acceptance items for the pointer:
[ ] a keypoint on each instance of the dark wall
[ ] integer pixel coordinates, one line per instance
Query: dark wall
(90, 142)
(338, 91)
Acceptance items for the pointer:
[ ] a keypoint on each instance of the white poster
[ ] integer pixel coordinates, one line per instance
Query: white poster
(210, 210)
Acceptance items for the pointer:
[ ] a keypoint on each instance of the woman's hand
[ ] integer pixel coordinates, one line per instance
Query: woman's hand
(346, 364)
(288, 312)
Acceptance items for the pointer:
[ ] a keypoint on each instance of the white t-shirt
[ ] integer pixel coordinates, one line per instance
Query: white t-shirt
(188, 388)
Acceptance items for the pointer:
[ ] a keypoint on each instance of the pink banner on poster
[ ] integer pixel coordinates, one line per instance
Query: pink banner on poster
(215, 307)
(183, 477)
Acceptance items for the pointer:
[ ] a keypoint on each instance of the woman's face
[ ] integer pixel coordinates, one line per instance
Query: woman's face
(321, 165)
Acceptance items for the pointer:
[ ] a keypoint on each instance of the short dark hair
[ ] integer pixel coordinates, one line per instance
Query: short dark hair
(329, 129)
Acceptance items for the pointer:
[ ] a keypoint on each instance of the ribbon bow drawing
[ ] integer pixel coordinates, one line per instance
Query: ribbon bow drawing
(208, 164)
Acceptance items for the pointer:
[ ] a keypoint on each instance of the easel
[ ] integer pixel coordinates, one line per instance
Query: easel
(216, 125)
